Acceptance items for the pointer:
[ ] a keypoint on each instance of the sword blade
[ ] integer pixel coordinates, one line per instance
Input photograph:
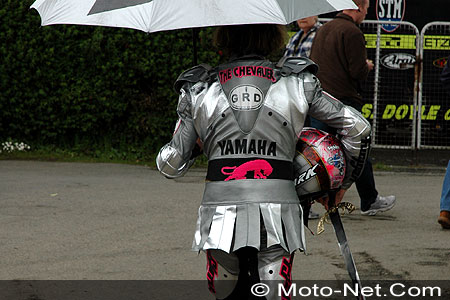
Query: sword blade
(346, 253)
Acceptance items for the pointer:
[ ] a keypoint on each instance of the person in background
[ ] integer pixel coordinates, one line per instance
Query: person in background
(247, 115)
(444, 216)
(339, 51)
(299, 45)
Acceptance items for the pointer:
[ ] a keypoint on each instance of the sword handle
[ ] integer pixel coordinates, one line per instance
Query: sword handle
(332, 198)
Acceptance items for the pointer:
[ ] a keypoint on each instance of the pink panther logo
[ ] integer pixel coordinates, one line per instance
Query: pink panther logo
(260, 167)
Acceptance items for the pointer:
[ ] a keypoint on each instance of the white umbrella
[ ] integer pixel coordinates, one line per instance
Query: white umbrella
(157, 15)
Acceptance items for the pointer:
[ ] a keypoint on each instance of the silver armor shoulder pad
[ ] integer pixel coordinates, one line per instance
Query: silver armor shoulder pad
(193, 75)
(310, 78)
(296, 65)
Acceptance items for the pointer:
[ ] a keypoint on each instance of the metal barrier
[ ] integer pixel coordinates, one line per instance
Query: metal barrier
(434, 102)
(390, 89)
(392, 86)
(407, 105)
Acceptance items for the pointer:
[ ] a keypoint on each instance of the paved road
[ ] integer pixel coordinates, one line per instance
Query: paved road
(110, 221)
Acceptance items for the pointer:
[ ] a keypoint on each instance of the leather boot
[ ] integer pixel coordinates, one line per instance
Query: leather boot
(444, 219)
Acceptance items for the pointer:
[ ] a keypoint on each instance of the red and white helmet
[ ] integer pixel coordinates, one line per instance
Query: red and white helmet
(319, 165)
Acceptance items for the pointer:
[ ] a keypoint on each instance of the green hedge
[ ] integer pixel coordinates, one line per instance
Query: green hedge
(90, 87)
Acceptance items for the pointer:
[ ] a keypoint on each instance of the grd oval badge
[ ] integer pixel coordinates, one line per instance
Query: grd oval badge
(440, 62)
(390, 10)
(246, 97)
(398, 61)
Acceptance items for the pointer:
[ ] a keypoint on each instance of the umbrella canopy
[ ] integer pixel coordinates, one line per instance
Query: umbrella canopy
(158, 15)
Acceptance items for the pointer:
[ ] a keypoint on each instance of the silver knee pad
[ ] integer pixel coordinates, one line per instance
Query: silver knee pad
(222, 272)
(275, 267)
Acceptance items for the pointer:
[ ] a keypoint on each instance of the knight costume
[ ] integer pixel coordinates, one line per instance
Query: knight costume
(248, 114)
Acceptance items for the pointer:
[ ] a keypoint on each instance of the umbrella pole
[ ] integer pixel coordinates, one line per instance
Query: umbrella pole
(194, 45)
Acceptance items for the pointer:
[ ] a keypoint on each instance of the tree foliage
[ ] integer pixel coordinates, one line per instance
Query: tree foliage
(90, 87)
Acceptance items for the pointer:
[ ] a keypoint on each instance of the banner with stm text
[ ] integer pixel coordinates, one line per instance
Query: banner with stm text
(418, 12)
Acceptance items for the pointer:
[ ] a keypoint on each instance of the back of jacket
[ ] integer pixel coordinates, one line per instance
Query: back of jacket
(340, 51)
(248, 114)
(249, 121)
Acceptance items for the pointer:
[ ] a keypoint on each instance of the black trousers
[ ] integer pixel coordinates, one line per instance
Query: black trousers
(365, 184)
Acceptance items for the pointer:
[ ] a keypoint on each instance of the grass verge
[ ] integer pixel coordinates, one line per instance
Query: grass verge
(58, 155)
(71, 156)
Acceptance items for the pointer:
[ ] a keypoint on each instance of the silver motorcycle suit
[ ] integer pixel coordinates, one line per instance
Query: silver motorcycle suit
(249, 114)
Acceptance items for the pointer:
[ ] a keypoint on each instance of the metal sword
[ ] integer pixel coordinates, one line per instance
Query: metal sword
(343, 244)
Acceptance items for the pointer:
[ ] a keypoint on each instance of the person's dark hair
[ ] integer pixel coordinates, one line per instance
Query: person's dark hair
(360, 2)
(260, 39)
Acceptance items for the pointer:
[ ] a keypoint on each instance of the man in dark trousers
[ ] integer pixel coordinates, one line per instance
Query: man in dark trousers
(444, 216)
(339, 50)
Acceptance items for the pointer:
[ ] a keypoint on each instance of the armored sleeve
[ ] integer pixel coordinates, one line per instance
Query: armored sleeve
(353, 129)
(175, 158)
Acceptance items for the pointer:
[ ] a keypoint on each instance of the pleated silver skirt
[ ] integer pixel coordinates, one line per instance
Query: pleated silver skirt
(229, 226)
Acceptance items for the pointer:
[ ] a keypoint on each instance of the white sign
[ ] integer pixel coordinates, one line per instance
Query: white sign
(246, 97)
(390, 10)
(398, 61)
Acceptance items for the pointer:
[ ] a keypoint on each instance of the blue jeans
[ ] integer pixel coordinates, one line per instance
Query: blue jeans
(445, 196)
(365, 184)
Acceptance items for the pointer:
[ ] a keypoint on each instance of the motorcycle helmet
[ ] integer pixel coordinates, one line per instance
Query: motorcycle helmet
(319, 165)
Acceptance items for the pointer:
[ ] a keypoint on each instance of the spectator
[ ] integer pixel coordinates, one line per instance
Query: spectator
(339, 50)
(301, 42)
(444, 216)
(300, 45)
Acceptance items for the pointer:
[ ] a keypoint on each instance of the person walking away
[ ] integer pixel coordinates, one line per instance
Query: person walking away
(339, 51)
(247, 115)
(444, 216)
